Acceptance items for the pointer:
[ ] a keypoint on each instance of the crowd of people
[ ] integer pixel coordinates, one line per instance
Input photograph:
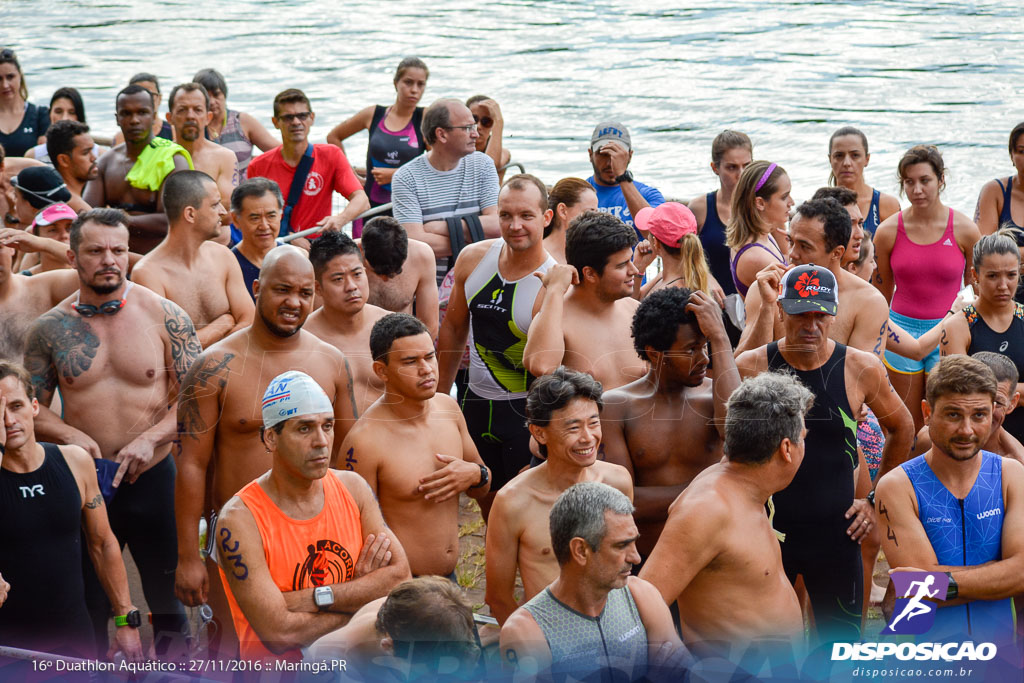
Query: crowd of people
(691, 426)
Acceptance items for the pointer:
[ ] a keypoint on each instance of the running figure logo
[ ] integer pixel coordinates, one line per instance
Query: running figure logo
(916, 596)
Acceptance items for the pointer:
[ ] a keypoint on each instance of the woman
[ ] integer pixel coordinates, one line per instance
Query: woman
(672, 237)
(922, 256)
(236, 130)
(848, 156)
(1000, 200)
(760, 206)
(489, 127)
(65, 104)
(567, 199)
(395, 136)
(22, 124)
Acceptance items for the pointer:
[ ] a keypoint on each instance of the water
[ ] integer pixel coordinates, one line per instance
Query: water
(787, 74)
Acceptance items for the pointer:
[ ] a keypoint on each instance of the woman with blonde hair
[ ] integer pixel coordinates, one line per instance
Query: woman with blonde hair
(672, 236)
(760, 207)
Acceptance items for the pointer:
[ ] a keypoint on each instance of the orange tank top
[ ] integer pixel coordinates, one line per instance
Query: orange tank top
(306, 553)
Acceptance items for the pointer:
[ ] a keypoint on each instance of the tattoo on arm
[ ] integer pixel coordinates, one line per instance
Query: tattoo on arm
(206, 376)
(185, 346)
(230, 549)
(95, 502)
(59, 345)
(351, 390)
(512, 657)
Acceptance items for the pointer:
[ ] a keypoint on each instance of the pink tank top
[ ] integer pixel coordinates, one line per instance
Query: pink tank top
(927, 276)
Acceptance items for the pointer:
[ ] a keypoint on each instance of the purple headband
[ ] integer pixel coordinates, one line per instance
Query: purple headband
(764, 178)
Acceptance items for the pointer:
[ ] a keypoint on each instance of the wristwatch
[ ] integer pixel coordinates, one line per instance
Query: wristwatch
(953, 590)
(485, 477)
(133, 619)
(626, 177)
(323, 597)
(870, 498)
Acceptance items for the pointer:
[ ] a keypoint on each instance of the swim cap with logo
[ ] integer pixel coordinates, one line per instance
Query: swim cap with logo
(293, 394)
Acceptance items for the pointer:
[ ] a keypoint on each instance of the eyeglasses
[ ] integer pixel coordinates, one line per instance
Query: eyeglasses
(468, 128)
(301, 116)
(485, 121)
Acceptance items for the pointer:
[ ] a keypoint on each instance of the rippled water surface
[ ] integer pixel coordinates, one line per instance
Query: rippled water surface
(787, 74)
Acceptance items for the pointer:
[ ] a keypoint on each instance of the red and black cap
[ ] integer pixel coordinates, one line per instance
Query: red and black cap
(809, 289)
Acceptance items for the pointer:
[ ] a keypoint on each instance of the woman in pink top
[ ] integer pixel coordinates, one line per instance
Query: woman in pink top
(923, 260)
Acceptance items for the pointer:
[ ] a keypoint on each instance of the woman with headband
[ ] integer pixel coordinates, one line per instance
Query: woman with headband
(848, 155)
(760, 206)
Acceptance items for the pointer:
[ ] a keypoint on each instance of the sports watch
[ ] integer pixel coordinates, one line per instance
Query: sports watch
(954, 589)
(133, 619)
(626, 177)
(323, 597)
(485, 477)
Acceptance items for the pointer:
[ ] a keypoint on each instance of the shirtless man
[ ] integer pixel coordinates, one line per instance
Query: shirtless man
(118, 353)
(847, 198)
(24, 298)
(586, 326)
(402, 273)
(345, 319)
(256, 212)
(188, 268)
(141, 196)
(718, 558)
(189, 113)
(72, 152)
(219, 413)
(668, 426)
(563, 410)
(418, 486)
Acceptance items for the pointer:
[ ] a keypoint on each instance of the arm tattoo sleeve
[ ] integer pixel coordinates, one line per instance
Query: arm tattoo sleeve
(185, 346)
(206, 377)
(59, 345)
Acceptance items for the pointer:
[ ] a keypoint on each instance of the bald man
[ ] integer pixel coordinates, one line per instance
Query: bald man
(219, 415)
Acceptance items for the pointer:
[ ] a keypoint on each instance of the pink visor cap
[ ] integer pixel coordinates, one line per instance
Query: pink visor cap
(54, 213)
(669, 222)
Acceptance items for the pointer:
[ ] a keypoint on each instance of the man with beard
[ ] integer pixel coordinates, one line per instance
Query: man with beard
(188, 268)
(188, 113)
(618, 194)
(118, 353)
(72, 152)
(130, 175)
(219, 415)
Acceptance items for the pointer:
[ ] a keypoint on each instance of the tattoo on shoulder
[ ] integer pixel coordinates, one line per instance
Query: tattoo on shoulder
(60, 345)
(95, 502)
(351, 390)
(207, 376)
(185, 346)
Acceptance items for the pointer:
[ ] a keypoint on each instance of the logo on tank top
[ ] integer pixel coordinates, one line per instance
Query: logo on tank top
(1003, 346)
(31, 491)
(495, 303)
(994, 512)
(327, 562)
(947, 243)
(314, 183)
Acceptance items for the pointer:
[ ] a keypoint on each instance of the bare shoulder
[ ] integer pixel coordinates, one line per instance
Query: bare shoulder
(215, 252)
(372, 313)
(628, 304)
(521, 627)
(885, 233)
(420, 253)
(78, 460)
(888, 204)
(1013, 474)
(515, 497)
(895, 482)
(859, 362)
(614, 475)
(445, 405)
(470, 257)
(752, 362)
(311, 342)
(965, 228)
(643, 590)
(699, 206)
(355, 485)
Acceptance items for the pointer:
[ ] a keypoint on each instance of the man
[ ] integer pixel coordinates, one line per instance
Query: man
(256, 206)
(822, 522)
(188, 268)
(494, 298)
(594, 619)
(586, 327)
(289, 582)
(667, 427)
(188, 113)
(718, 559)
(219, 413)
(618, 194)
(345, 319)
(400, 271)
(49, 496)
(330, 171)
(73, 153)
(130, 175)
(36, 188)
(847, 198)
(564, 413)
(418, 486)
(438, 195)
(957, 509)
(118, 353)
(820, 233)
(24, 298)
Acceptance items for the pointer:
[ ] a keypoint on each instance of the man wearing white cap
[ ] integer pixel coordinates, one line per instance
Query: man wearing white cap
(302, 547)
(610, 152)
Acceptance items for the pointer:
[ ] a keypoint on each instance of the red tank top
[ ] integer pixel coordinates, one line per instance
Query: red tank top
(927, 276)
(305, 553)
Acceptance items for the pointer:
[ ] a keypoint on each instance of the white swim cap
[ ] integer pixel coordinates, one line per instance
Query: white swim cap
(293, 394)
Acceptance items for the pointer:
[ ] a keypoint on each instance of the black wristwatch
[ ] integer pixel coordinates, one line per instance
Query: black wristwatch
(133, 619)
(485, 477)
(953, 590)
(11, 219)
(870, 498)
(626, 177)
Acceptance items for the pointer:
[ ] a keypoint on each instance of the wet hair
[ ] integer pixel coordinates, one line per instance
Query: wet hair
(842, 132)
(183, 189)
(76, 101)
(289, 96)
(135, 89)
(844, 195)
(389, 328)
(188, 87)
(746, 223)
(9, 368)
(410, 63)
(111, 218)
(726, 140)
(593, 237)
(7, 56)
(579, 512)
(835, 219)
(762, 412)
(658, 318)
(385, 245)
(959, 374)
(1003, 241)
(566, 191)
(428, 618)
(922, 154)
(144, 77)
(254, 187)
(211, 80)
(436, 116)
(521, 181)
(553, 392)
(330, 244)
(1017, 131)
(60, 137)
(1001, 366)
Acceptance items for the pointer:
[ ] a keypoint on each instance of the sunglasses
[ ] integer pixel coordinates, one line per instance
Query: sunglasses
(301, 116)
(484, 121)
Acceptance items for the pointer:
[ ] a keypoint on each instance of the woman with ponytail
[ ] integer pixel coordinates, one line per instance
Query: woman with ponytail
(567, 199)
(760, 207)
(673, 236)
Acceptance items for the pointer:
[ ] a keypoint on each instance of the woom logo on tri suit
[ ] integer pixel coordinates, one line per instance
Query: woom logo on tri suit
(328, 562)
